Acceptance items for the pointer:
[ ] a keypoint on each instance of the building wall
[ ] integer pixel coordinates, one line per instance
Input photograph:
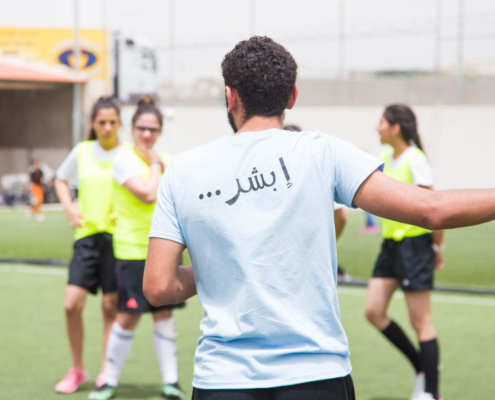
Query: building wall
(34, 124)
(36, 118)
(459, 140)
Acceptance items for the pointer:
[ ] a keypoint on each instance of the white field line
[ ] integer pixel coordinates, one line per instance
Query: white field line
(33, 270)
(24, 208)
(436, 298)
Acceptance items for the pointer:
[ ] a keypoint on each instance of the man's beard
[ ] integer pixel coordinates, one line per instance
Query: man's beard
(232, 122)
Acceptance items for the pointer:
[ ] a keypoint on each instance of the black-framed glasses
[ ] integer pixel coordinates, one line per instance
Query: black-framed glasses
(153, 131)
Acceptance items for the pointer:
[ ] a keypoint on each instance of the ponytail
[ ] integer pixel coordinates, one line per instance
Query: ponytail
(146, 105)
(403, 116)
(101, 103)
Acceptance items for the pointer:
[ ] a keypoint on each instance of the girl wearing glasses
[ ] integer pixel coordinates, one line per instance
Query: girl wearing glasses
(137, 171)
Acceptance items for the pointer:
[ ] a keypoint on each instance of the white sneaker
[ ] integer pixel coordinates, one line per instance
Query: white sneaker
(419, 384)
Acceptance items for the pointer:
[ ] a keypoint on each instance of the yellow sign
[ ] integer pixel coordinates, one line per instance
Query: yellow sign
(55, 47)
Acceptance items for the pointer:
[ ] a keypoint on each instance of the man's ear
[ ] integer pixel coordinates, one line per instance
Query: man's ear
(232, 98)
(293, 97)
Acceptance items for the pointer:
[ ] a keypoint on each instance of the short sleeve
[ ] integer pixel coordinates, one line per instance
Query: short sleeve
(352, 167)
(421, 172)
(124, 168)
(165, 224)
(68, 169)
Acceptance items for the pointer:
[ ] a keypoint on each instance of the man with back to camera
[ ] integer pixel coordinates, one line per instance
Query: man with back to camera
(253, 210)
(339, 219)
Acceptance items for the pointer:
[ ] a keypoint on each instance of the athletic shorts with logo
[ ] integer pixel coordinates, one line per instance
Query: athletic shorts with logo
(130, 274)
(411, 261)
(93, 264)
(329, 389)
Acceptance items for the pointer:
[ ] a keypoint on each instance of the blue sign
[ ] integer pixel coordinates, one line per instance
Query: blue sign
(66, 59)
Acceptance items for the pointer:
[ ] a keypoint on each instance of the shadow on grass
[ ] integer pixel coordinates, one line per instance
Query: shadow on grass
(144, 391)
(388, 398)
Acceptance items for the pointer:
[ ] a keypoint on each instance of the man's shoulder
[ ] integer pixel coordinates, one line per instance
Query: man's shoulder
(320, 137)
(200, 153)
(210, 151)
(312, 134)
(320, 142)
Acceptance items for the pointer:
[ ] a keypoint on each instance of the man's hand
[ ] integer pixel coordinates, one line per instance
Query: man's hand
(165, 281)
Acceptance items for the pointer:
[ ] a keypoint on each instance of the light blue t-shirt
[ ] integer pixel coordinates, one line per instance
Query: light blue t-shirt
(256, 213)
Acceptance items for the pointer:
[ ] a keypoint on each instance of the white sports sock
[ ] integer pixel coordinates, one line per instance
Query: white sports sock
(118, 348)
(166, 349)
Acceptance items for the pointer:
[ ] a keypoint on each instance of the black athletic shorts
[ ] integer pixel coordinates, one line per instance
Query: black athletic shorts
(93, 264)
(411, 261)
(130, 274)
(330, 389)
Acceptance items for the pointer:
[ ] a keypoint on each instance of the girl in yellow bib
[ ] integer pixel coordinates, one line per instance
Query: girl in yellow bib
(408, 257)
(89, 167)
(137, 171)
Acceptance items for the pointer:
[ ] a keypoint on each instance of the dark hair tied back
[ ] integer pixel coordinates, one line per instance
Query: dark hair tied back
(101, 103)
(145, 100)
(146, 105)
(403, 116)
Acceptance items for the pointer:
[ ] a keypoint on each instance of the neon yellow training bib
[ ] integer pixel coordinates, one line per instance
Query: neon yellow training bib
(392, 229)
(95, 193)
(132, 216)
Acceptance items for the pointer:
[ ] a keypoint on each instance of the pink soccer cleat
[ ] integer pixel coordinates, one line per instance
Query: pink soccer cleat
(100, 380)
(71, 382)
(369, 230)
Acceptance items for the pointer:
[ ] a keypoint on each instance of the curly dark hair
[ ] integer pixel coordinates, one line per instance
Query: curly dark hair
(264, 74)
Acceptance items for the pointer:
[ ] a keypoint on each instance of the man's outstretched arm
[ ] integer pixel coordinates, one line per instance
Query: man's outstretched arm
(444, 209)
(165, 280)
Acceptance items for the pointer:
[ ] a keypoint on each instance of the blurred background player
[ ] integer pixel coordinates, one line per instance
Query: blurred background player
(89, 166)
(339, 217)
(137, 172)
(409, 255)
(37, 180)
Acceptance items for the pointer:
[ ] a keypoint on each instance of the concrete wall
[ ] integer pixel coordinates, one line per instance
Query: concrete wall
(459, 140)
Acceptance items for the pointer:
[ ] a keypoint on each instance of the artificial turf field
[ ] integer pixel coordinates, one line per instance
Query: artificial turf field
(34, 353)
(469, 253)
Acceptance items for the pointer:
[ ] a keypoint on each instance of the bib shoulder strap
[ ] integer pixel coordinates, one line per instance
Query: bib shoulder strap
(84, 151)
(385, 156)
(415, 155)
(84, 145)
(166, 158)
